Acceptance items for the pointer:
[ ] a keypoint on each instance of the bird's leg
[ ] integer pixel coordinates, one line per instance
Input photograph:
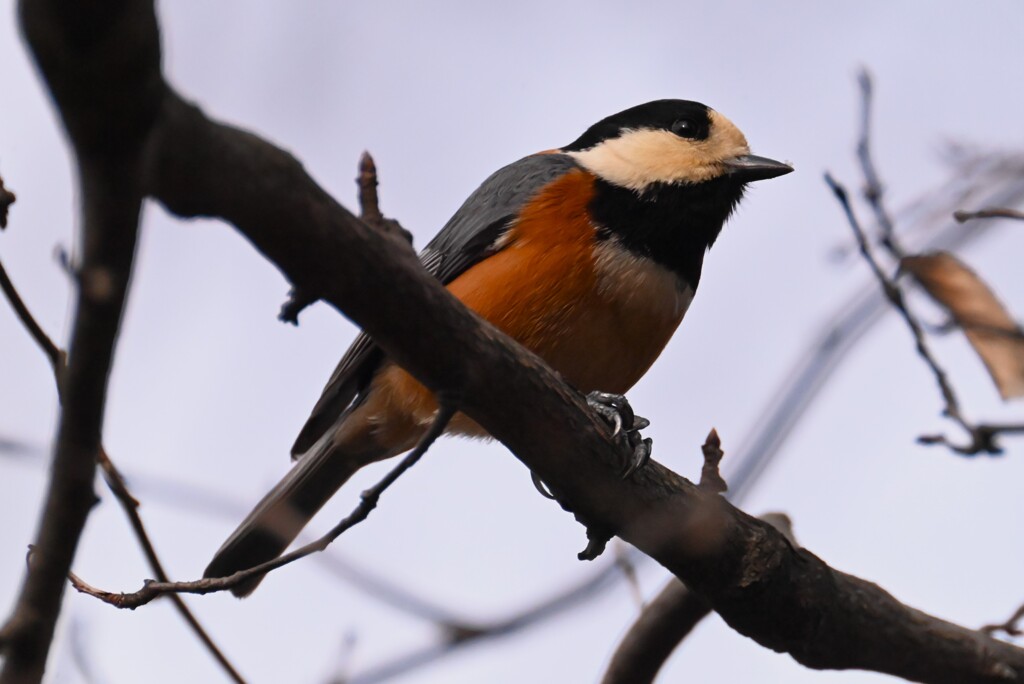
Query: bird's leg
(616, 411)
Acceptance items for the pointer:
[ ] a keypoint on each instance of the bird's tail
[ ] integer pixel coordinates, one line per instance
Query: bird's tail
(279, 517)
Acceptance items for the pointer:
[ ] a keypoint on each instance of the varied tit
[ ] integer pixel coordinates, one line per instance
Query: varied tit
(588, 255)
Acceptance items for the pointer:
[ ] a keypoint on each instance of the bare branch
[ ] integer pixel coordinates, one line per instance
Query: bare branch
(1010, 627)
(95, 116)
(369, 204)
(873, 188)
(983, 436)
(113, 478)
(982, 441)
(710, 479)
(964, 216)
(367, 502)
(53, 353)
(367, 181)
(664, 623)
(370, 213)
(130, 507)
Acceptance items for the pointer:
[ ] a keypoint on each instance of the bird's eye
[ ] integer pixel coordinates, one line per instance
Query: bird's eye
(685, 128)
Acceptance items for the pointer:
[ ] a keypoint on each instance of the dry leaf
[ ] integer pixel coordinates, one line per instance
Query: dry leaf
(993, 333)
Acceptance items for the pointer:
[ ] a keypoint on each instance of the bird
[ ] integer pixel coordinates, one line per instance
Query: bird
(588, 255)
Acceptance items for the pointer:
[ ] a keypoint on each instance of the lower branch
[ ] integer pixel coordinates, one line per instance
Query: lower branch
(111, 219)
(1011, 627)
(663, 624)
(130, 506)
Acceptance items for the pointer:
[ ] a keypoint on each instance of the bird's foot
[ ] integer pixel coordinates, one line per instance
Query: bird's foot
(616, 411)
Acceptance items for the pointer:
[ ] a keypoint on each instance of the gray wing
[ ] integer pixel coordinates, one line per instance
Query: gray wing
(468, 237)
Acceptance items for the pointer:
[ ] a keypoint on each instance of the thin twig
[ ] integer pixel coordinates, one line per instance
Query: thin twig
(996, 212)
(983, 437)
(981, 441)
(710, 479)
(369, 203)
(1010, 627)
(52, 351)
(873, 188)
(113, 477)
(367, 502)
(130, 506)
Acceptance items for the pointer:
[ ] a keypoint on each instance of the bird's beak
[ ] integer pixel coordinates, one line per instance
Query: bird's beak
(750, 167)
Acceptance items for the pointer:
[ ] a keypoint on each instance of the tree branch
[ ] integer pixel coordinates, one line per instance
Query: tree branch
(111, 204)
(114, 479)
(664, 623)
(130, 506)
(983, 437)
(1011, 627)
(964, 216)
(106, 125)
(54, 354)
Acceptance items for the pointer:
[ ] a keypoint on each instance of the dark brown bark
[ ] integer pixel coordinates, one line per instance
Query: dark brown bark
(668, 618)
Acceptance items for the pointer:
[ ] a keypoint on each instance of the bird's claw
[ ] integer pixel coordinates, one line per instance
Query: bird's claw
(641, 454)
(541, 487)
(616, 411)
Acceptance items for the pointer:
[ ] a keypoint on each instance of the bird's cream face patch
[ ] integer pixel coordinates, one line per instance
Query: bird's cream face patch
(640, 158)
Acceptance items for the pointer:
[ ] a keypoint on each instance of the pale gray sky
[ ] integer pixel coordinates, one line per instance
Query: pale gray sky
(209, 389)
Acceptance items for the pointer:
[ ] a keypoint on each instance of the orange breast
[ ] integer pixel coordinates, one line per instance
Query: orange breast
(596, 314)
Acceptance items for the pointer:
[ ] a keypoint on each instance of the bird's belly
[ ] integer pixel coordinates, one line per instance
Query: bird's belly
(600, 316)
(618, 328)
